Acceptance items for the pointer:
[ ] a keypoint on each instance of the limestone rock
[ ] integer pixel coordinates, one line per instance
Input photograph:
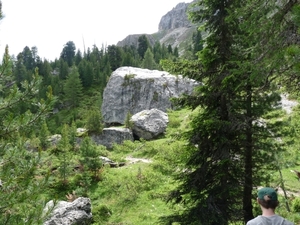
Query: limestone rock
(69, 213)
(149, 123)
(174, 29)
(131, 90)
(175, 18)
(112, 135)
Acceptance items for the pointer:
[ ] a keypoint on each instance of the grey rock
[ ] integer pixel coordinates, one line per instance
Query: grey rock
(174, 29)
(131, 90)
(148, 124)
(112, 135)
(175, 18)
(77, 212)
(54, 139)
(132, 40)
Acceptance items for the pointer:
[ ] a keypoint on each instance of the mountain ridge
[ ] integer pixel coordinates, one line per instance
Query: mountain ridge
(174, 29)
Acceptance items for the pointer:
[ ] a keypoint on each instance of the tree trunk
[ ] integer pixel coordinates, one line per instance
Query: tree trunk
(248, 185)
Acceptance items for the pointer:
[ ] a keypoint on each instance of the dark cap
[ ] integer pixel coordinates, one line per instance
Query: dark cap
(267, 193)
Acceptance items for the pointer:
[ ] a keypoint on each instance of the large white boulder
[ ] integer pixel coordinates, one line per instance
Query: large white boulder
(132, 90)
(148, 124)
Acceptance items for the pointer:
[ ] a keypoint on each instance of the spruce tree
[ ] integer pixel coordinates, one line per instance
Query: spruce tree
(148, 61)
(225, 142)
(143, 45)
(73, 88)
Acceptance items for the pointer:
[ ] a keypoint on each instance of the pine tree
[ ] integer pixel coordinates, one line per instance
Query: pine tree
(115, 56)
(68, 53)
(86, 73)
(73, 88)
(143, 45)
(225, 145)
(94, 121)
(44, 135)
(148, 61)
(65, 156)
(20, 198)
(90, 157)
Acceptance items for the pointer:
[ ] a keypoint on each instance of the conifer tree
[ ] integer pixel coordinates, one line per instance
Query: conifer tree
(44, 135)
(148, 61)
(90, 157)
(20, 198)
(94, 121)
(73, 88)
(68, 53)
(65, 156)
(143, 45)
(225, 141)
(115, 56)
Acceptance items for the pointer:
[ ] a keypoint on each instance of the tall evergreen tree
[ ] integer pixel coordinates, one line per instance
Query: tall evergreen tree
(68, 53)
(143, 45)
(78, 57)
(63, 69)
(86, 73)
(19, 197)
(28, 59)
(20, 70)
(115, 56)
(73, 88)
(225, 141)
(148, 61)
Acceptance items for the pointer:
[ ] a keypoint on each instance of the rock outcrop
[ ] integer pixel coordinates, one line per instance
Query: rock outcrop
(175, 18)
(132, 40)
(174, 29)
(69, 213)
(148, 124)
(112, 135)
(132, 90)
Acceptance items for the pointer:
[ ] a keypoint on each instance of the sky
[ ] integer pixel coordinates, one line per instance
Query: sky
(50, 24)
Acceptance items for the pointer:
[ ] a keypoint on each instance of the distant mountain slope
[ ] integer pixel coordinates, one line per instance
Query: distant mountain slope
(174, 28)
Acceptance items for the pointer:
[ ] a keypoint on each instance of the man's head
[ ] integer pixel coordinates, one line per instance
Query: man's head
(267, 198)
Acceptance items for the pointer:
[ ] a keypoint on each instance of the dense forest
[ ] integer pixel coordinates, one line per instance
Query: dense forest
(248, 57)
(73, 74)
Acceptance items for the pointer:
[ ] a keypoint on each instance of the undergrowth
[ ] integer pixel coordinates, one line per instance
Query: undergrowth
(136, 193)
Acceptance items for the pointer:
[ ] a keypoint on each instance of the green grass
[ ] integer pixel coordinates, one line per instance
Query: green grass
(135, 193)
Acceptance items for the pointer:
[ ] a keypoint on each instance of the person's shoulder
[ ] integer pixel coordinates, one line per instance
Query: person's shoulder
(287, 222)
(254, 221)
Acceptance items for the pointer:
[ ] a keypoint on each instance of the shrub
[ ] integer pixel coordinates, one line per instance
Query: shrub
(94, 121)
(296, 205)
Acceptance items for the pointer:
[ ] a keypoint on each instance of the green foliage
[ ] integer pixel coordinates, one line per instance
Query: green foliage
(73, 88)
(19, 196)
(296, 205)
(86, 72)
(44, 135)
(65, 156)
(115, 55)
(128, 123)
(101, 213)
(68, 53)
(90, 157)
(143, 45)
(148, 61)
(94, 121)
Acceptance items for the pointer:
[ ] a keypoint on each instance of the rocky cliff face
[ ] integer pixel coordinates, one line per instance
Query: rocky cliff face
(174, 28)
(132, 90)
(175, 18)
